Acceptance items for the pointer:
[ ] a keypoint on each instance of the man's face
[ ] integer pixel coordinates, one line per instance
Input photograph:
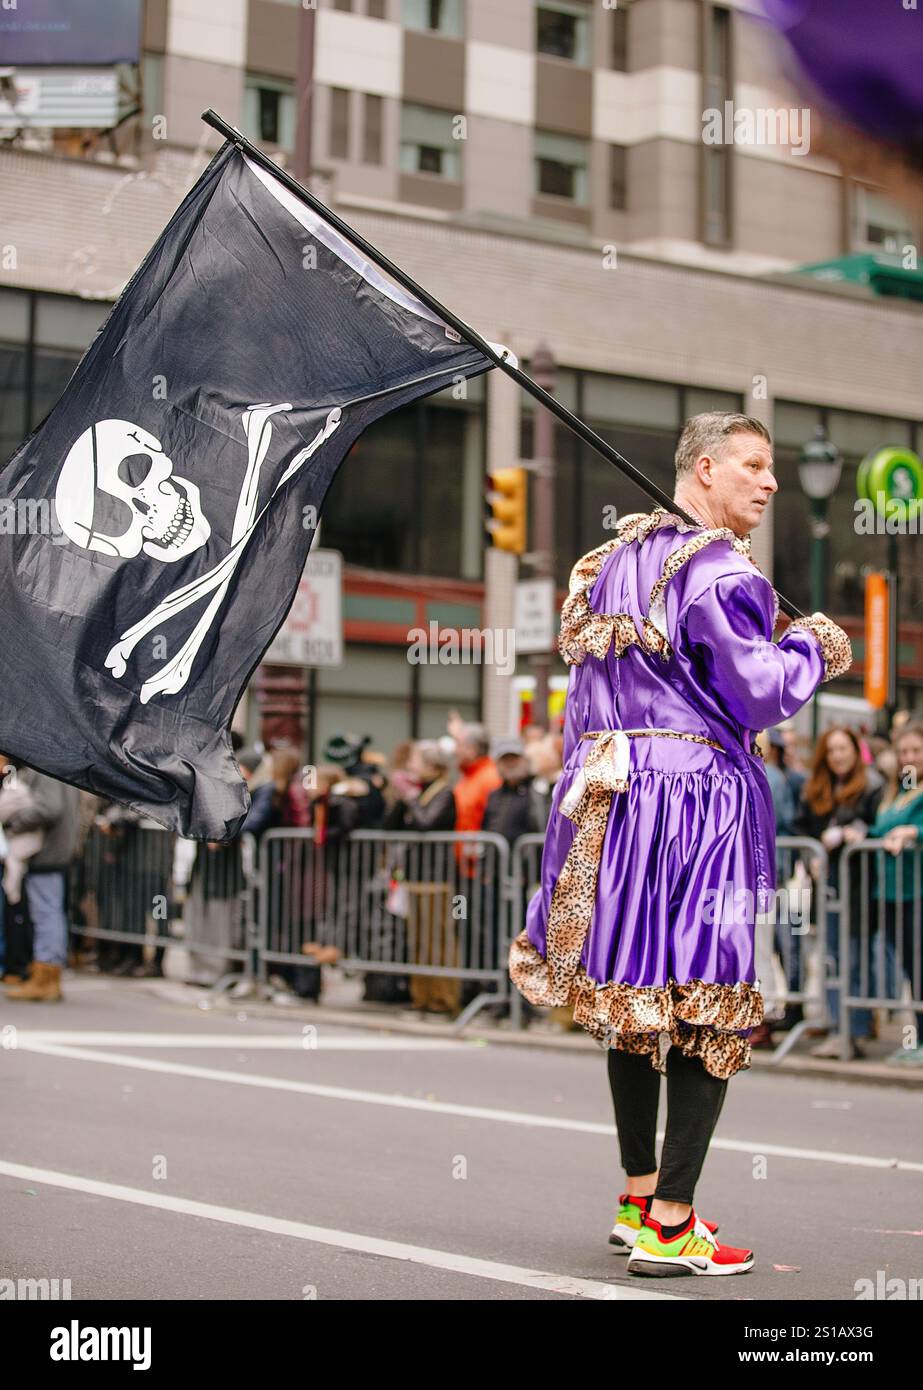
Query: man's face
(742, 481)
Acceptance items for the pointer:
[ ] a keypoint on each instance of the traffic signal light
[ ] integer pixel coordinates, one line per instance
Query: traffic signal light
(507, 502)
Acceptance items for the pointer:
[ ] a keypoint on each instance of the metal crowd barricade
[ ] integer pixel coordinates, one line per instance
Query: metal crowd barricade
(797, 942)
(124, 889)
(880, 934)
(418, 905)
(791, 930)
(216, 925)
(525, 864)
(122, 885)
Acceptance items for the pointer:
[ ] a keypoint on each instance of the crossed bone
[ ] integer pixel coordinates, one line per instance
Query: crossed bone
(172, 677)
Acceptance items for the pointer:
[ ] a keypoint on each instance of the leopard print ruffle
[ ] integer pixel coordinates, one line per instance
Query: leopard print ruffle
(834, 643)
(701, 1018)
(583, 630)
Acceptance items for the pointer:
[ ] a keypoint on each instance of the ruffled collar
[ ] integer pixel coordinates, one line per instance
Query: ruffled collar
(583, 629)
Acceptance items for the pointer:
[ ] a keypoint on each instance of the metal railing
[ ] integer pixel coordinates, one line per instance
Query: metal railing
(880, 936)
(791, 939)
(416, 905)
(439, 910)
(124, 891)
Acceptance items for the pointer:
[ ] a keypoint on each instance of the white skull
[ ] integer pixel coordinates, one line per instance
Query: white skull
(117, 493)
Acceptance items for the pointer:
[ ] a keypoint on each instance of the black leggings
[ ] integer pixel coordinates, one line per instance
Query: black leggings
(694, 1101)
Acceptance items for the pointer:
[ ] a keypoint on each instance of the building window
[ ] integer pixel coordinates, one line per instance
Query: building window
(619, 32)
(428, 145)
(618, 177)
(269, 112)
(562, 31)
(878, 224)
(339, 123)
(716, 159)
(437, 16)
(371, 129)
(409, 497)
(561, 166)
(342, 4)
(376, 9)
(42, 338)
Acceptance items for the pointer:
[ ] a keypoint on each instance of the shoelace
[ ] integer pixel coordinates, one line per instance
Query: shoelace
(700, 1229)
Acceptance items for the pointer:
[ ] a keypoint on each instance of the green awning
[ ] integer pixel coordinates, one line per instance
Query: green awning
(882, 272)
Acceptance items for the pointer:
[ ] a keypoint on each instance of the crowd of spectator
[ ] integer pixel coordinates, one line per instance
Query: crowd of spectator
(59, 847)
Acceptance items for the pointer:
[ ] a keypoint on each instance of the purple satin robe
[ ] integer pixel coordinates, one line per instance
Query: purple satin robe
(693, 821)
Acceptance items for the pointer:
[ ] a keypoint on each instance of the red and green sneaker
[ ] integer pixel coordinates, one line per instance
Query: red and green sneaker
(693, 1250)
(630, 1218)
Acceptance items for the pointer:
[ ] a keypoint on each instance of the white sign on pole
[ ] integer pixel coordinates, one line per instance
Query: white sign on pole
(534, 616)
(312, 634)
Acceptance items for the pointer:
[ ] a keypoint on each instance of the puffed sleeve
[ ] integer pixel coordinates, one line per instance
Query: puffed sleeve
(727, 632)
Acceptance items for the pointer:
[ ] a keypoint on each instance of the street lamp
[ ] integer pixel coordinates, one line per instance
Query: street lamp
(819, 471)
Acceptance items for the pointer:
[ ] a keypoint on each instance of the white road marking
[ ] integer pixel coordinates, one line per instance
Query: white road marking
(342, 1240)
(244, 1042)
(436, 1107)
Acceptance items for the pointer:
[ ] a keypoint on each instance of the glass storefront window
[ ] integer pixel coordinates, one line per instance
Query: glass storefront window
(13, 428)
(53, 370)
(623, 401)
(410, 494)
(62, 322)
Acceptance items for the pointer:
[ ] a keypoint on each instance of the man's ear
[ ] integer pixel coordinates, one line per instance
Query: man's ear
(704, 467)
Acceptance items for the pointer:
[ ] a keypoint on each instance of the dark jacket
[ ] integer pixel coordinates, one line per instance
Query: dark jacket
(365, 812)
(514, 810)
(433, 809)
(54, 809)
(265, 810)
(860, 812)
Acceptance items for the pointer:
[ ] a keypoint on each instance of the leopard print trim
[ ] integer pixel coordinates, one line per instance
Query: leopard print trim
(834, 643)
(583, 630)
(701, 1018)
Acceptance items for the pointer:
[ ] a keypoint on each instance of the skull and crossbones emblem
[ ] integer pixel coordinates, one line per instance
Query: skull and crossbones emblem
(117, 494)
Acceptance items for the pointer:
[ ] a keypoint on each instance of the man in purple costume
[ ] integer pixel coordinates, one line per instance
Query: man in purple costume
(663, 814)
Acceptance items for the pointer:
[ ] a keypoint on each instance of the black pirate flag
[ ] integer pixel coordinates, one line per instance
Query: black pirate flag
(187, 463)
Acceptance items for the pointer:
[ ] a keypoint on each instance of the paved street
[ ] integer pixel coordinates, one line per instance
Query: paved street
(152, 1149)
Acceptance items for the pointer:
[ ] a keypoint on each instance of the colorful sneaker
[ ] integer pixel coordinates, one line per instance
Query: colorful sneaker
(693, 1250)
(629, 1220)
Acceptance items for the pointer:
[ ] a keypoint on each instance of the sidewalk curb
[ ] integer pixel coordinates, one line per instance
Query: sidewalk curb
(376, 1017)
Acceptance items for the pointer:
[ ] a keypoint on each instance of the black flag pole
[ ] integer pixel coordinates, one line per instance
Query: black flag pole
(471, 335)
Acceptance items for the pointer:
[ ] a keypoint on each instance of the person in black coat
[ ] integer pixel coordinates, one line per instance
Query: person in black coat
(838, 804)
(516, 808)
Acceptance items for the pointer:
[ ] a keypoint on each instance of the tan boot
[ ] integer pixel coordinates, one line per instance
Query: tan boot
(20, 983)
(43, 985)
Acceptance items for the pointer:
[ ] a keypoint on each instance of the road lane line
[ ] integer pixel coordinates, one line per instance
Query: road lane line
(448, 1260)
(437, 1107)
(281, 1042)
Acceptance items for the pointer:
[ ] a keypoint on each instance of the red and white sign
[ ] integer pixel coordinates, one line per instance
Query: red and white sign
(312, 634)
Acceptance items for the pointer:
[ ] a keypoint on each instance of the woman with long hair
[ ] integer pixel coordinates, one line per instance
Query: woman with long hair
(838, 804)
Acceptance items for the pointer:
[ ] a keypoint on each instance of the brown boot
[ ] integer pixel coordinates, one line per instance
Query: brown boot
(43, 985)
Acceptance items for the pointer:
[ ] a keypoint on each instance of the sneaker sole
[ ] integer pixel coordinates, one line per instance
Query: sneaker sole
(663, 1267)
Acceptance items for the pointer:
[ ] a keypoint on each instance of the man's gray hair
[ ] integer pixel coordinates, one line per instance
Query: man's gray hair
(708, 433)
(477, 735)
